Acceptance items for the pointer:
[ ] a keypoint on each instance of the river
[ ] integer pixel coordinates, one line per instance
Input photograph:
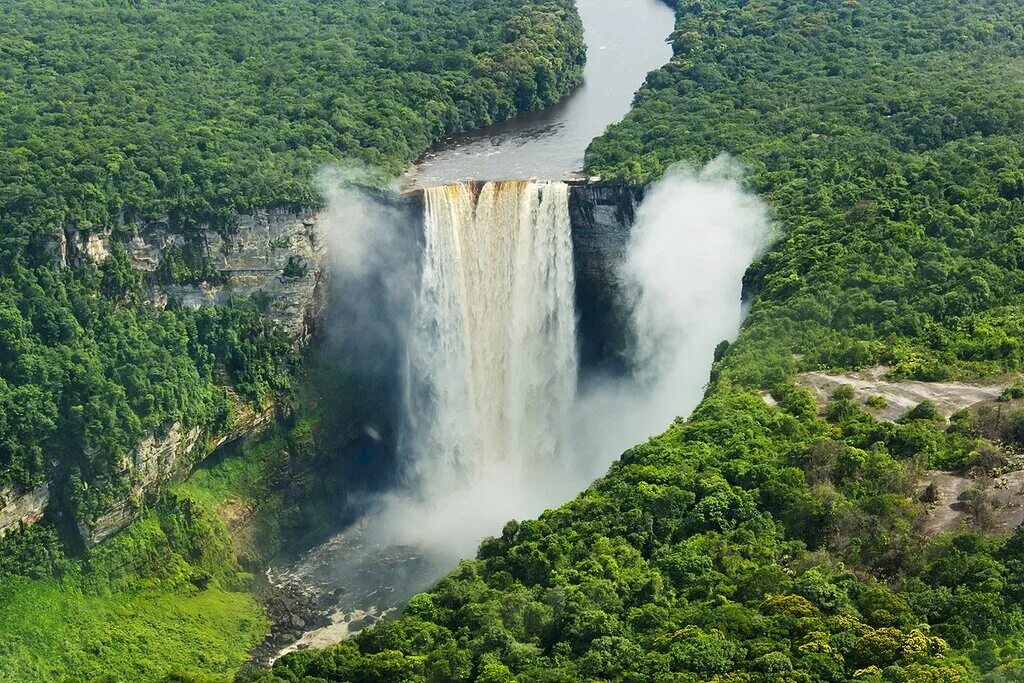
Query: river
(626, 40)
(349, 582)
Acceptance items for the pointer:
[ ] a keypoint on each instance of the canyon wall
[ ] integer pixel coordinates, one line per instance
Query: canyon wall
(22, 506)
(279, 253)
(601, 216)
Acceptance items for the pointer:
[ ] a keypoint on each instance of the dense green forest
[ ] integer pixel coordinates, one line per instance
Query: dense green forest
(887, 137)
(773, 541)
(117, 112)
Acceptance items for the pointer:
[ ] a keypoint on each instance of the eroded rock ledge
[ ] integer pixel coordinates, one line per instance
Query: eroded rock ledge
(279, 253)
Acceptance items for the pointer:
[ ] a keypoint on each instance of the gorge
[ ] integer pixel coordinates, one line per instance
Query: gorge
(530, 359)
(718, 380)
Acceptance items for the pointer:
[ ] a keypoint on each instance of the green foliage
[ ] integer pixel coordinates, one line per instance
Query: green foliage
(888, 139)
(762, 543)
(876, 402)
(925, 410)
(35, 552)
(201, 110)
(1014, 391)
(83, 378)
(160, 597)
(186, 266)
(190, 112)
(718, 548)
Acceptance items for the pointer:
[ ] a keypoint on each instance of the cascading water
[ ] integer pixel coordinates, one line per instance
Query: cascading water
(492, 349)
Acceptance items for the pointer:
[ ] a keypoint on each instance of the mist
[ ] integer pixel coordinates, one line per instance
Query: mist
(695, 234)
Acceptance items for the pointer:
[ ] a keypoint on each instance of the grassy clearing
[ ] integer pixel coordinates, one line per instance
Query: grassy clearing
(164, 596)
(54, 631)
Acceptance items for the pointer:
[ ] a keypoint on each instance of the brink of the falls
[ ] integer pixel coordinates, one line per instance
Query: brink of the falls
(492, 359)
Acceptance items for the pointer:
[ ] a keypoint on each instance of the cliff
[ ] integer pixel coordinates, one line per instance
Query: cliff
(277, 253)
(602, 216)
(281, 254)
(161, 457)
(22, 506)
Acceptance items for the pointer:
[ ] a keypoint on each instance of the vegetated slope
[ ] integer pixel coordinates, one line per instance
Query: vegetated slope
(169, 598)
(166, 595)
(756, 542)
(113, 112)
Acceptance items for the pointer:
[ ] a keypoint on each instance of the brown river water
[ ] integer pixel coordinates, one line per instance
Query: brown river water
(626, 39)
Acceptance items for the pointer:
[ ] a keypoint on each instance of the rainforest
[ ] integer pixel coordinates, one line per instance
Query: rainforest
(290, 390)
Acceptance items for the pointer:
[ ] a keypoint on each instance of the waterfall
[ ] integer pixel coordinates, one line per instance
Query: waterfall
(492, 365)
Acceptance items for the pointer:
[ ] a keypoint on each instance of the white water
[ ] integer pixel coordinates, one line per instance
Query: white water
(492, 353)
(492, 361)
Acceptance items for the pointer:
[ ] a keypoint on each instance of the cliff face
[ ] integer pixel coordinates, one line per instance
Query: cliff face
(21, 506)
(602, 216)
(282, 254)
(161, 457)
(278, 253)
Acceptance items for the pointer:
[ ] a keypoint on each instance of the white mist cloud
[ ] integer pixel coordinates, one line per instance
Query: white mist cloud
(696, 233)
(365, 236)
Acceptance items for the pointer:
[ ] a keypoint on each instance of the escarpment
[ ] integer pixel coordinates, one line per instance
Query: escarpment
(277, 254)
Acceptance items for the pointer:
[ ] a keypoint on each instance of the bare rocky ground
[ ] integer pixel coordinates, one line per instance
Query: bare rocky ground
(338, 588)
(1003, 494)
(293, 609)
(948, 397)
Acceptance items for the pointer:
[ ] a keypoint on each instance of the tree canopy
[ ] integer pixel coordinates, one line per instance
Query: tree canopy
(190, 112)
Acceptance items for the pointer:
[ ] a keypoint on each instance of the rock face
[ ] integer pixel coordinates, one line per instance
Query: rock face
(278, 253)
(73, 248)
(19, 506)
(281, 253)
(602, 216)
(159, 458)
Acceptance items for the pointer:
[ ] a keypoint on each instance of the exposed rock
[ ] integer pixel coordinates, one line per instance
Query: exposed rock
(158, 458)
(248, 422)
(602, 216)
(74, 248)
(946, 512)
(120, 514)
(20, 506)
(278, 252)
(293, 609)
(900, 396)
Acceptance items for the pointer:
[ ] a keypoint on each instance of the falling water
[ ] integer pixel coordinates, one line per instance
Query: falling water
(492, 354)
